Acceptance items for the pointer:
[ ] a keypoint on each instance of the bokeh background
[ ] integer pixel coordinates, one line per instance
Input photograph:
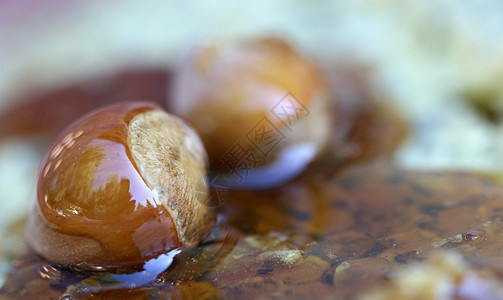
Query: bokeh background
(438, 62)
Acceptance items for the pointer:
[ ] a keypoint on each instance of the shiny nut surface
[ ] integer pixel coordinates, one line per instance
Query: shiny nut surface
(119, 186)
(255, 98)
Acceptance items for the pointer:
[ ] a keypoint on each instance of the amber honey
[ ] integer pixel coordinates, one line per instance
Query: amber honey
(338, 230)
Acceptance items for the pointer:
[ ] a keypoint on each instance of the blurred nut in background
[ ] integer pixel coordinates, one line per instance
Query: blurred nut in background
(261, 109)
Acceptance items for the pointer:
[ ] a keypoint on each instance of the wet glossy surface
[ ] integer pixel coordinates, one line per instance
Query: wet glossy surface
(339, 230)
(323, 236)
(90, 186)
(246, 98)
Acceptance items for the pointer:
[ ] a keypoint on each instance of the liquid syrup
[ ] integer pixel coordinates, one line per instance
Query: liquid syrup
(337, 230)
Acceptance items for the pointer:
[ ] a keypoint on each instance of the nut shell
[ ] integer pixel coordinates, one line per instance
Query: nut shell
(119, 186)
(176, 173)
(251, 103)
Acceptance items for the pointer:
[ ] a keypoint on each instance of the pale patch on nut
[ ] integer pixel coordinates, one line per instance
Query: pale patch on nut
(288, 257)
(343, 266)
(171, 159)
(457, 238)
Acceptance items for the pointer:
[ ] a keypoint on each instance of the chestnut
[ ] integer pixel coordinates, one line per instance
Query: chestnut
(120, 186)
(261, 109)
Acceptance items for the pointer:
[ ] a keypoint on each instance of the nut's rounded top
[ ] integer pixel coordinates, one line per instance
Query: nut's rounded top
(230, 92)
(119, 186)
(250, 76)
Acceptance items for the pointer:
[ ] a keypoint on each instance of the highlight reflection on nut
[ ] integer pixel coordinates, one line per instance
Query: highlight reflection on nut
(119, 186)
(255, 105)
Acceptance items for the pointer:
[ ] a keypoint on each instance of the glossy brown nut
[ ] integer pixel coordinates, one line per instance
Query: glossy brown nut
(120, 186)
(251, 103)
